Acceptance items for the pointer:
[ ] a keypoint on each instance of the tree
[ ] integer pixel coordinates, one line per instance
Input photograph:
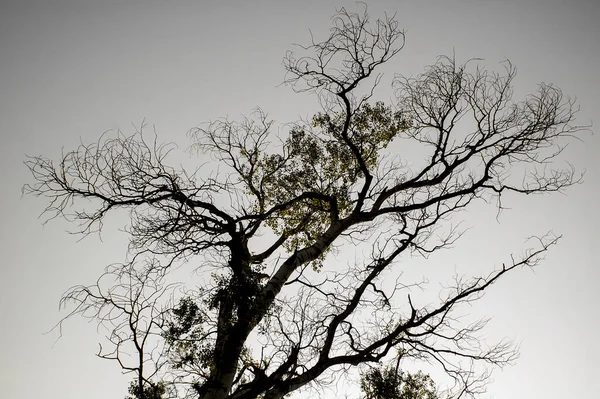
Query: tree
(272, 311)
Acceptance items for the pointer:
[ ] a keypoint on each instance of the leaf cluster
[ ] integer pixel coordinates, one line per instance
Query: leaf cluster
(390, 383)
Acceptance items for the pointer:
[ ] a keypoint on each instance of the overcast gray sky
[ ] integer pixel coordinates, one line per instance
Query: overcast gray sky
(69, 70)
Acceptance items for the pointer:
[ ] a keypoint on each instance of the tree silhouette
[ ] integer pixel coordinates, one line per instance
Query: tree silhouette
(271, 310)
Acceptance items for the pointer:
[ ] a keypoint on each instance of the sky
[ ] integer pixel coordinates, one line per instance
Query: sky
(72, 69)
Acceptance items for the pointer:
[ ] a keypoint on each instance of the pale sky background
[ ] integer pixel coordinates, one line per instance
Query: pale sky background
(69, 70)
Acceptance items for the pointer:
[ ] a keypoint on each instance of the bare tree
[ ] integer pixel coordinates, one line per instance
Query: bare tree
(274, 311)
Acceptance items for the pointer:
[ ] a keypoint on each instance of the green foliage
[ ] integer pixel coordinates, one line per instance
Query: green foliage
(187, 316)
(370, 129)
(320, 159)
(149, 391)
(388, 383)
(184, 336)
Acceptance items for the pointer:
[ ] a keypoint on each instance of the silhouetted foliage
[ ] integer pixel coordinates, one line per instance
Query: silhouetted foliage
(390, 383)
(147, 391)
(270, 308)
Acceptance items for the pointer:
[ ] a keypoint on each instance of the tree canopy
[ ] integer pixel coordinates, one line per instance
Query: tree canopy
(270, 310)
